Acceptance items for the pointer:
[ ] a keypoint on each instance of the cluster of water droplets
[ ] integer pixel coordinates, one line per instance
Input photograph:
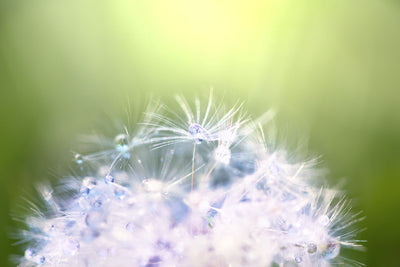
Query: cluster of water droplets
(210, 198)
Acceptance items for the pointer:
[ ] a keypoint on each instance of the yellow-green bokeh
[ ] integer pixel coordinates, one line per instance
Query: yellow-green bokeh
(331, 68)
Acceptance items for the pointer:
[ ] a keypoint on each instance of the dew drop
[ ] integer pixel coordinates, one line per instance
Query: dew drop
(109, 179)
(47, 193)
(311, 248)
(88, 235)
(78, 159)
(331, 250)
(121, 142)
(197, 132)
(298, 259)
(95, 220)
(70, 247)
(28, 254)
(39, 260)
(88, 183)
(119, 193)
(84, 191)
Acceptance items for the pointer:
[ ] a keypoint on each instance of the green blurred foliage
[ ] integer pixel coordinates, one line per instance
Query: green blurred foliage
(330, 67)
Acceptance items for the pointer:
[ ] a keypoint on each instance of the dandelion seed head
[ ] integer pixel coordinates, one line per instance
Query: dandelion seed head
(198, 189)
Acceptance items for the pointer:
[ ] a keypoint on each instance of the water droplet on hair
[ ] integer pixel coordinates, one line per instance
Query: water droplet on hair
(88, 183)
(84, 191)
(95, 219)
(28, 254)
(119, 193)
(121, 142)
(331, 250)
(197, 132)
(47, 193)
(109, 179)
(298, 259)
(311, 248)
(88, 235)
(78, 159)
(39, 260)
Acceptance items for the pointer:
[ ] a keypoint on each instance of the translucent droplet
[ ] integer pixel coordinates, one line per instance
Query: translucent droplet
(39, 260)
(331, 250)
(130, 227)
(121, 142)
(311, 248)
(323, 220)
(84, 191)
(28, 254)
(70, 247)
(197, 132)
(88, 235)
(47, 193)
(78, 159)
(298, 259)
(109, 179)
(119, 193)
(88, 183)
(95, 219)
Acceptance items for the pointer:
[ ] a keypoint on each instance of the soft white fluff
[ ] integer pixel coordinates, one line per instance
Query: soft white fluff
(200, 188)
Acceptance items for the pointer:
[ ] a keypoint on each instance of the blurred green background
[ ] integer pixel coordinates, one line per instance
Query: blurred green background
(332, 68)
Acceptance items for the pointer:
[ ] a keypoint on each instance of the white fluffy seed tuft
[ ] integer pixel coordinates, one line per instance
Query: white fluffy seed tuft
(200, 189)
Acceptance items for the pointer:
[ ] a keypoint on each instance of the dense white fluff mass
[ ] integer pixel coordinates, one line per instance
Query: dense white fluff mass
(196, 188)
